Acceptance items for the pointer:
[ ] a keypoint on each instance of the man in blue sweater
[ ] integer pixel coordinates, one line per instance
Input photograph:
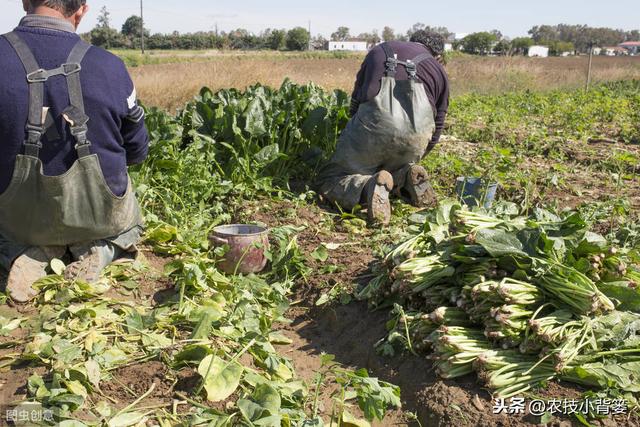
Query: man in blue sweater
(69, 127)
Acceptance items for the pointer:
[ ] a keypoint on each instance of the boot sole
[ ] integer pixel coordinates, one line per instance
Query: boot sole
(379, 205)
(87, 269)
(27, 269)
(419, 188)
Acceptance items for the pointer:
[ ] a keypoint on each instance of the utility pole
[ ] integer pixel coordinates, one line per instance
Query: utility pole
(590, 64)
(141, 27)
(309, 34)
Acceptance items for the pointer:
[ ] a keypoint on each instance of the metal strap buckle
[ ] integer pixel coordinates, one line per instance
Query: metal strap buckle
(38, 76)
(71, 68)
(79, 130)
(412, 69)
(80, 135)
(391, 64)
(41, 75)
(34, 134)
(37, 144)
(82, 145)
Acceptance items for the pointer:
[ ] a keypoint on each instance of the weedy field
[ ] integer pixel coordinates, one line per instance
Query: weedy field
(168, 79)
(530, 298)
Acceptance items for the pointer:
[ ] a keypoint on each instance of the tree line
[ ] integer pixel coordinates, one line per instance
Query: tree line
(130, 37)
(559, 38)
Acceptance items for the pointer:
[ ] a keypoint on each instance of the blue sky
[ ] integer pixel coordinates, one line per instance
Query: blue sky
(513, 18)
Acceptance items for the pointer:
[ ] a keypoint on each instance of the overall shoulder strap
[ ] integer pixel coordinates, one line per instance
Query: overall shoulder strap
(35, 125)
(422, 57)
(412, 64)
(73, 80)
(75, 114)
(391, 63)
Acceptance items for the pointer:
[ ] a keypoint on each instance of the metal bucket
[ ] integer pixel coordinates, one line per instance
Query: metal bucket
(247, 245)
(474, 191)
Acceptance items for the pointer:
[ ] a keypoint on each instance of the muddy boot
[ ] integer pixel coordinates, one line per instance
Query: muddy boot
(27, 269)
(377, 198)
(91, 260)
(418, 187)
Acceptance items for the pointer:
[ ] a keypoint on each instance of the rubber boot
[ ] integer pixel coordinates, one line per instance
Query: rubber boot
(418, 187)
(91, 260)
(27, 269)
(377, 197)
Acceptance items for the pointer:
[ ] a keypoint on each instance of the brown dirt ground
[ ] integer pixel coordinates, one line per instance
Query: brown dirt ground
(350, 332)
(347, 331)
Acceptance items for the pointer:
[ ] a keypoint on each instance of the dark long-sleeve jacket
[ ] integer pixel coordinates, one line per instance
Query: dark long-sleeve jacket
(115, 128)
(430, 72)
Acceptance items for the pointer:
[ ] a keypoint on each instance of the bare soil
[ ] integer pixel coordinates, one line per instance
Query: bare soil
(348, 331)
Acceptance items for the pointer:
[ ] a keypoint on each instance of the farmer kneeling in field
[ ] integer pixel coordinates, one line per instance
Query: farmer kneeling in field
(69, 126)
(398, 110)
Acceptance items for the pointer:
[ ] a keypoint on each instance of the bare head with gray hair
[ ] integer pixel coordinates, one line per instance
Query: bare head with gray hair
(66, 7)
(70, 10)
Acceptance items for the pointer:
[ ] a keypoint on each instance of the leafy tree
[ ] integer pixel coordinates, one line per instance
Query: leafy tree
(275, 39)
(372, 38)
(298, 39)
(103, 35)
(478, 43)
(388, 34)
(415, 27)
(521, 45)
(632, 36)
(341, 34)
(581, 36)
(131, 27)
(241, 39)
(104, 18)
(558, 47)
(502, 47)
(107, 38)
(543, 32)
(318, 42)
(443, 31)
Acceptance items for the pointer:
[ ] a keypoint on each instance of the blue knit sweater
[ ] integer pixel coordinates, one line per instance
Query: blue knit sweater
(116, 130)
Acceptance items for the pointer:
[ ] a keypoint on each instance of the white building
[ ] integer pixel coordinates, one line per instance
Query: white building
(538, 51)
(448, 47)
(632, 48)
(350, 45)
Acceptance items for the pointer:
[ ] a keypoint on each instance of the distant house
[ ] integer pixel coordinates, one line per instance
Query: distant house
(611, 51)
(632, 48)
(448, 47)
(352, 45)
(538, 51)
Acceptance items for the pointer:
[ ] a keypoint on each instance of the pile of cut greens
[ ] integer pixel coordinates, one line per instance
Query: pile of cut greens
(518, 300)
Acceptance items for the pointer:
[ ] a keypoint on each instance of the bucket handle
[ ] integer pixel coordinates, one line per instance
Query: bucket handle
(219, 240)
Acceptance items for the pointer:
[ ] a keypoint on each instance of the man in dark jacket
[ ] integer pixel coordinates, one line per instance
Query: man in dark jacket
(69, 127)
(399, 105)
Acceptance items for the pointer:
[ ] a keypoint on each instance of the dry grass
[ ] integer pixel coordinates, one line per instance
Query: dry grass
(170, 85)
